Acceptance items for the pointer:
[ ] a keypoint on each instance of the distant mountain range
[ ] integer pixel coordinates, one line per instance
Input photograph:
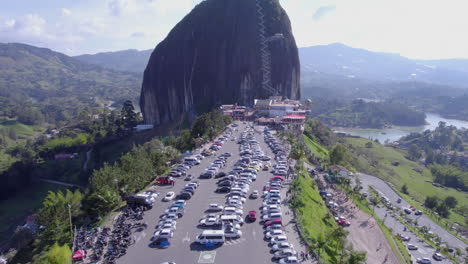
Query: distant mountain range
(42, 78)
(125, 60)
(342, 60)
(332, 60)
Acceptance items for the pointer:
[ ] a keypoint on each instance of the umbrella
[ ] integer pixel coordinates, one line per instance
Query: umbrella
(79, 254)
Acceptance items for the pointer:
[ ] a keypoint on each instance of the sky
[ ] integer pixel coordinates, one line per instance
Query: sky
(420, 29)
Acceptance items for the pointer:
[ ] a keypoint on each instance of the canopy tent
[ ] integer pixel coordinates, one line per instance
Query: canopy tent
(79, 254)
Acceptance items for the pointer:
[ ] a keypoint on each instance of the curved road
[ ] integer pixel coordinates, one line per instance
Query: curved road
(380, 185)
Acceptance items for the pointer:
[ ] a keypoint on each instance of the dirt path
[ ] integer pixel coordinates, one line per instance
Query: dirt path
(364, 233)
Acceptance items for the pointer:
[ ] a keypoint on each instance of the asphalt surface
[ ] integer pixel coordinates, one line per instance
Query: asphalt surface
(250, 248)
(424, 250)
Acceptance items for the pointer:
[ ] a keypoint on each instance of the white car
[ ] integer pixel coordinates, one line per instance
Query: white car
(281, 246)
(284, 253)
(162, 223)
(288, 260)
(163, 233)
(232, 233)
(272, 216)
(215, 208)
(210, 222)
(169, 216)
(232, 211)
(274, 227)
(273, 233)
(278, 239)
(169, 196)
(169, 226)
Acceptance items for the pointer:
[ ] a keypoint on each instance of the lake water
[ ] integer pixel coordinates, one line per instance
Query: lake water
(393, 134)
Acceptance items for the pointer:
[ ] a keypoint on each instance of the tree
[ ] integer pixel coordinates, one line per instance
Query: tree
(357, 257)
(57, 255)
(414, 152)
(443, 210)
(431, 202)
(338, 154)
(450, 202)
(369, 145)
(404, 189)
(128, 115)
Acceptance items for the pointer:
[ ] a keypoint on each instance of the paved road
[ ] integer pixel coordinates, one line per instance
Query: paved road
(424, 249)
(250, 248)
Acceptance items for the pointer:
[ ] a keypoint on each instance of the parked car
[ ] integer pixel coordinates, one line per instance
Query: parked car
(184, 196)
(169, 196)
(284, 253)
(223, 189)
(163, 233)
(418, 212)
(188, 178)
(282, 246)
(232, 233)
(289, 260)
(215, 208)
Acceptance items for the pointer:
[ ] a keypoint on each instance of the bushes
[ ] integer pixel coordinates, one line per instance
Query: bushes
(57, 255)
(111, 184)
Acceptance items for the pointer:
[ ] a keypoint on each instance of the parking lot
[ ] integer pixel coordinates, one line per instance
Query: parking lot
(249, 248)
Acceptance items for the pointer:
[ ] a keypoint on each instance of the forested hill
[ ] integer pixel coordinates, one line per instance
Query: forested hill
(125, 60)
(366, 114)
(32, 76)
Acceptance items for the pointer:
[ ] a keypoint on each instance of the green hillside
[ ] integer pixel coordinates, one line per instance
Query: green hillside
(38, 84)
(378, 161)
(316, 148)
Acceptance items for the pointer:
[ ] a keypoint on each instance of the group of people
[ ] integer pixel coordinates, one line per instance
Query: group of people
(304, 255)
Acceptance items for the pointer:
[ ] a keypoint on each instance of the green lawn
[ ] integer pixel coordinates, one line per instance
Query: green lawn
(378, 161)
(14, 210)
(316, 148)
(22, 131)
(312, 214)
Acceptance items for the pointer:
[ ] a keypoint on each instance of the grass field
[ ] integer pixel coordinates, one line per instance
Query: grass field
(312, 214)
(22, 131)
(14, 210)
(316, 148)
(378, 161)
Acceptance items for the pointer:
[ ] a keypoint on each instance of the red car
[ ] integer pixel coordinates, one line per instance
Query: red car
(273, 222)
(252, 216)
(343, 222)
(277, 178)
(165, 180)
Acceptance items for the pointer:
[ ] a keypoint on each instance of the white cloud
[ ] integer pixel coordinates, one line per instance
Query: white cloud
(415, 28)
(322, 12)
(65, 11)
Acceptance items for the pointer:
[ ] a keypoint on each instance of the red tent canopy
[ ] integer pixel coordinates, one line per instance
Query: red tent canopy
(79, 254)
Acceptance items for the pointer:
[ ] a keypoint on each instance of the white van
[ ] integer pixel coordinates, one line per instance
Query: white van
(191, 160)
(211, 236)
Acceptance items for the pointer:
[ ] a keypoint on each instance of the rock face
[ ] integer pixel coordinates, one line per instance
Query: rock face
(212, 57)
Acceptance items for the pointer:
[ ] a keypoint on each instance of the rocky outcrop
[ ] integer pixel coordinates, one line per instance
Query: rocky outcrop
(212, 57)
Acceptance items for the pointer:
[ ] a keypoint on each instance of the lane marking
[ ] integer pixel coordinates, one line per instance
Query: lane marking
(254, 234)
(186, 238)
